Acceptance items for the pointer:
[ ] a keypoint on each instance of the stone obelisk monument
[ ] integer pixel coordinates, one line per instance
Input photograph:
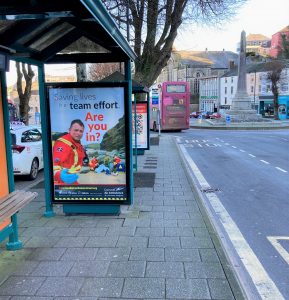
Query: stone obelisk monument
(241, 104)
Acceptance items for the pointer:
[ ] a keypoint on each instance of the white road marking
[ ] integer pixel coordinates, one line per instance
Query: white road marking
(242, 150)
(179, 140)
(284, 171)
(274, 240)
(187, 141)
(264, 161)
(264, 284)
(200, 145)
(252, 155)
(227, 144)
(284, 139)
(234, 147)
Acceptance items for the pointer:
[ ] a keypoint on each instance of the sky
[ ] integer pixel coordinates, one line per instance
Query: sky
(256, 16)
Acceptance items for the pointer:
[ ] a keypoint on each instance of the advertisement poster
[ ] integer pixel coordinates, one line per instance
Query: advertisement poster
(141, 125)
(88, 144)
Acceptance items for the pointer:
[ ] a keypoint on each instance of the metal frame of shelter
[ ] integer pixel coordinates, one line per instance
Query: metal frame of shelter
(42, 32)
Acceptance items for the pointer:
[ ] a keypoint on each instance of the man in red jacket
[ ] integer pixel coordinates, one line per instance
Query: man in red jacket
(68, 154)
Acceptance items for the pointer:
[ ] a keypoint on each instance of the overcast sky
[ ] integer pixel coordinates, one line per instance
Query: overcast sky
(257, 16)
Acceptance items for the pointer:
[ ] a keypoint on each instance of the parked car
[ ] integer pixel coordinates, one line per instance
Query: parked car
(195, 114)
(206, 114)
(27, 153)
(215, 115)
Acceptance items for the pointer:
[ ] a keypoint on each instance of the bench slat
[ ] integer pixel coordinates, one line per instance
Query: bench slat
(14, 206)
(22, 198)
(15, 196)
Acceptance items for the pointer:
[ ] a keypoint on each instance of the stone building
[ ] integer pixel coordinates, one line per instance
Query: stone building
(191, 66)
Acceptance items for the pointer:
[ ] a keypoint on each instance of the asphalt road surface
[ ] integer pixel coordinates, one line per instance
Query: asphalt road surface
(247, 173)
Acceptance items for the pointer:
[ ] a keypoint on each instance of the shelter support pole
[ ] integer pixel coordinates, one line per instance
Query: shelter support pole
(45, 143)
(12, 228)
(129, 101)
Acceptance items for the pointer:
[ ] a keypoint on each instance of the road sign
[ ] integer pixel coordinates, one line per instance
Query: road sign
(228, 119)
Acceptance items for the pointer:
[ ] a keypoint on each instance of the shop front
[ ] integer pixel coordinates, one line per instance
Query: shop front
(266, 107)
(283, 108)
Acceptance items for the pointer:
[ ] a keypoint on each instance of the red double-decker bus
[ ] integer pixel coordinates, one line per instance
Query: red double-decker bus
(170, 106)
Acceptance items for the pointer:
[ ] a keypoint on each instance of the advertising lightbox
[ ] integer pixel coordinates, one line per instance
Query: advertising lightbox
(142, 125)
(89, 138)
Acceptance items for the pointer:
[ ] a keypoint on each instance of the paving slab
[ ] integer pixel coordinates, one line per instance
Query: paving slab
(157, 248)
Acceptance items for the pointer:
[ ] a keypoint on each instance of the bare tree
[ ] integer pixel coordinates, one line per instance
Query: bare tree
(24, 97)
(154, 26)
(285, 47)
(102, 70)
(275, 77)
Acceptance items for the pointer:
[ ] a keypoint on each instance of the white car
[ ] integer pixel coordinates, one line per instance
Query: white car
(27, 153)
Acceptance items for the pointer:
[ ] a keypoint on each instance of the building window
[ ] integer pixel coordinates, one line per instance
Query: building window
(259, 88)
(232, 89)
(225, 90)
(284, 87)
(252, 89)
(225, 79)
(225, 100)
(232, 79)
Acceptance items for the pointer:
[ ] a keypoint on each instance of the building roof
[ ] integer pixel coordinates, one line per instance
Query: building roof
(256, 37)
(211, 59)
(285, 29)
(258, 67)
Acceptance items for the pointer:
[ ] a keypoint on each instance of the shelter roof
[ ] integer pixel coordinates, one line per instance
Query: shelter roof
(117, 76)
(61, 31)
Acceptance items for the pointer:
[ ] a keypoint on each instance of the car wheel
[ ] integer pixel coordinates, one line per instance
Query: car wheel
(34, 169)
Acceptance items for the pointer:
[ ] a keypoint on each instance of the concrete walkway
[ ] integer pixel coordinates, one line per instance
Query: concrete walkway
(162, 247)
(215, 124)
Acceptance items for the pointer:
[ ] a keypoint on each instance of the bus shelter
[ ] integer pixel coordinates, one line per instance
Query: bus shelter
(56, 32)
(140, 114)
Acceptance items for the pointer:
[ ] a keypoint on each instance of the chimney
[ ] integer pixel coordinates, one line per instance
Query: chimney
(231, 64)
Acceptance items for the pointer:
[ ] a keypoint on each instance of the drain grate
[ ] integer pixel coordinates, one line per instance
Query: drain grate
(154, 141)
(142, 179)
(210, 190)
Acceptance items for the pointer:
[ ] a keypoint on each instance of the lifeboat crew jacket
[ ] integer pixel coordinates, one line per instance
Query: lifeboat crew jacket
(68, 158)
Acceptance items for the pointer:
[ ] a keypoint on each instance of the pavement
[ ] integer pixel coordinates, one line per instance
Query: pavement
(161, 247)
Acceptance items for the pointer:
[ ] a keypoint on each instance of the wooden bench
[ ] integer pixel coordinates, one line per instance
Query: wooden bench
(12, 203)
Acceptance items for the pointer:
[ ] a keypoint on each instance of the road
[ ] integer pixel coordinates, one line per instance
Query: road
(23, 183)
(248, 171)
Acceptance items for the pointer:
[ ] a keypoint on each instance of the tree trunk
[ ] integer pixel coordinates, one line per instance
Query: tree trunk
(276, 107)
(81, 73)
(24, 97)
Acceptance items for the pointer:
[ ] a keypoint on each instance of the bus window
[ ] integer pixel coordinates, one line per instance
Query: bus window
(173, 88)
